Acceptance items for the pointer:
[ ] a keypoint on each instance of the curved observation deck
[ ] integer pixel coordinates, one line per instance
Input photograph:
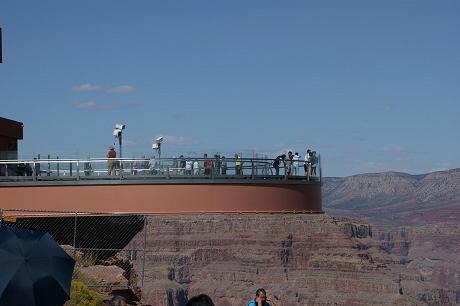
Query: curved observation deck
(159, 186)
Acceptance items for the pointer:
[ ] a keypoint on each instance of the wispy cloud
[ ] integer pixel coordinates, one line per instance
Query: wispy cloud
(94, 88)
(178, 140)
(132, 143)
(121, 89)
(85, 105)
(86, 88)
(93, 105)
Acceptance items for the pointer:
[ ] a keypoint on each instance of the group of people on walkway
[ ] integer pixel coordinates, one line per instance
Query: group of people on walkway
(217, 165)
(179, 166)
(291, 163)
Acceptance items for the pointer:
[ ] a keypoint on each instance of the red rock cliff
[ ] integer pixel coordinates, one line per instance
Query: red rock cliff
(299, 259)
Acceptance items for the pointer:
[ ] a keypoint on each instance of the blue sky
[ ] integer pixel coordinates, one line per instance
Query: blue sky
(371, 85)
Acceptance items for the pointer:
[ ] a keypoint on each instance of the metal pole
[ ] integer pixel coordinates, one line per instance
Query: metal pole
(48, 171)
(75, 234)
(121, 155)
(57, 157)
(159, 151)
(159, 155)
(34, 172)
(39, 172)
(78, 170)
(145, 247)
(119, 143)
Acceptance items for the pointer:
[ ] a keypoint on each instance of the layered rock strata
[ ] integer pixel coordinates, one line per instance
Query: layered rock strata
(432, 250)
(299, 259)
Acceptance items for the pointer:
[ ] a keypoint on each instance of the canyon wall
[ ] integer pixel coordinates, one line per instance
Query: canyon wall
(415, 217)
(299, 259)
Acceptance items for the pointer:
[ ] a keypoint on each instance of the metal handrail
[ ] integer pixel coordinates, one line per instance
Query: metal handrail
(175, 167)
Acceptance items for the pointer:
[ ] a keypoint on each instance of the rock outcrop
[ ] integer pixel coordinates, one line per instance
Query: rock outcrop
(300, 260)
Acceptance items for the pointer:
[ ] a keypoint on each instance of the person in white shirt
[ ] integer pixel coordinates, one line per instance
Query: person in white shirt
(188, 167)
(295, 163)
(196, 167)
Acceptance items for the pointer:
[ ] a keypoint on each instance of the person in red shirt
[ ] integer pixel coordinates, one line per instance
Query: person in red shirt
(111, 163)
(207, 165)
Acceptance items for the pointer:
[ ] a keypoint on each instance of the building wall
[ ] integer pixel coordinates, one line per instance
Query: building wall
(10, 132)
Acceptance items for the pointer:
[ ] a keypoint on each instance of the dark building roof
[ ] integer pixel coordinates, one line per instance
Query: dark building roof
(10, 128)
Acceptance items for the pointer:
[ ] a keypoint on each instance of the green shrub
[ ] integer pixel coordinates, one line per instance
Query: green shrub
(80, 295)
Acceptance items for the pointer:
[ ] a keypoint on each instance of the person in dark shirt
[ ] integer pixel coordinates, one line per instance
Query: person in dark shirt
(276, 163)
(260, 300)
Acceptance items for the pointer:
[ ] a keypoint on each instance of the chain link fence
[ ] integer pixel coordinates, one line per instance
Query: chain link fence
(107, 256)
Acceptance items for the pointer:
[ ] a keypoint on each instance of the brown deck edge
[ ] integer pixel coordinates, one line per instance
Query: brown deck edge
(166, 198)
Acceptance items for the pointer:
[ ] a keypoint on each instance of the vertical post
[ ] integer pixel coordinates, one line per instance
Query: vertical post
(70, 168)
(75, 234)
(48, 170)
(78, 170)
(39, 166)
(57, 165)
(252, 168)
(34, 172)
(145, 247)
(120, 143)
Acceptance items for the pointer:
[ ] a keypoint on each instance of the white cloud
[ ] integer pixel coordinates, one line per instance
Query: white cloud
(90, 105)
(121, 89)
(178, 140)
(86, 88)
(85, 105)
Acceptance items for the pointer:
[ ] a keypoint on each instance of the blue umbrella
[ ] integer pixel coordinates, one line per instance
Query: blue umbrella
(34, 269)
